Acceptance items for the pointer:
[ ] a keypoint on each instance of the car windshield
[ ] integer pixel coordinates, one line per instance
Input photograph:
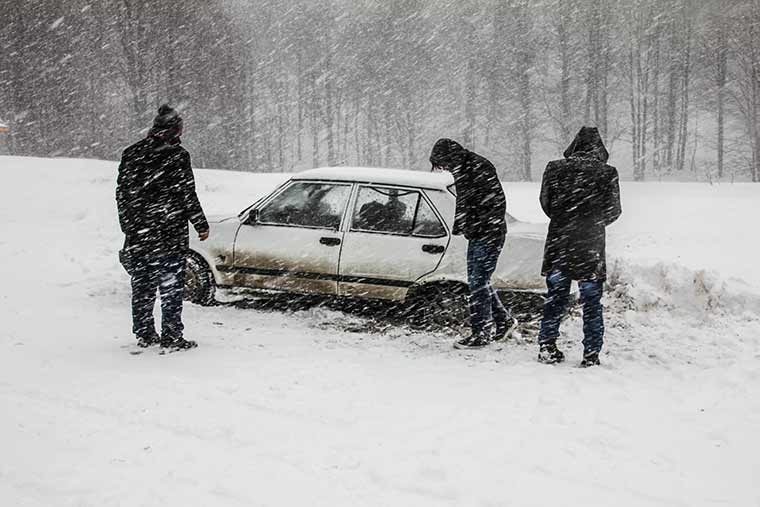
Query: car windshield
(307, 204)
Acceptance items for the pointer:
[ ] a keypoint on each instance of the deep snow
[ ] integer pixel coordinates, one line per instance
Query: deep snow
(290, 408)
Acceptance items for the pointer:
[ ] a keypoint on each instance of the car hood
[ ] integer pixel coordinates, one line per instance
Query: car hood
(218, 219)
(520, 263)
(528, 230)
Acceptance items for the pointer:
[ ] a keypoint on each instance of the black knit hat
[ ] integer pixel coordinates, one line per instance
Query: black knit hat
(167, 118)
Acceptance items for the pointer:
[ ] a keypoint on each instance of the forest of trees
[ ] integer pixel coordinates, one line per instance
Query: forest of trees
(269, 85)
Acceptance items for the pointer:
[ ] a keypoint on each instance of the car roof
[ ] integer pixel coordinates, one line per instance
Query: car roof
(401, 177)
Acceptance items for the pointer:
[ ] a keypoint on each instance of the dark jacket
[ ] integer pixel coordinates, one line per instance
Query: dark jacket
(581, 196)
(155, 196)
(481, 206)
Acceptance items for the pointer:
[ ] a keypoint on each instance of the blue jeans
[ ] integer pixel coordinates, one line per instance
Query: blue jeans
(485, 305)
(556, 302)
(166, 274)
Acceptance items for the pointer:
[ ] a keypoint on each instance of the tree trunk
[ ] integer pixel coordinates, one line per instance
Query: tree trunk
(411, 155)
(672, 99)
(315, 126)
(471, 80)
(755, 128)
(357, 139)
(656, 106)
(604, 67)
(526, 124)
(564, 83)
(685, 85)
(385, 140)
(300, 100)
(634, 114)
(329, 113)
(525, 61)
(722, 64)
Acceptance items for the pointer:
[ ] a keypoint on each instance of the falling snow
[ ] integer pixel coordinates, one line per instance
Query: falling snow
(157, 148)
(57, 23)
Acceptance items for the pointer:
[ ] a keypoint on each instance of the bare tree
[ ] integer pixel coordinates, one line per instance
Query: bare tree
(267, 87)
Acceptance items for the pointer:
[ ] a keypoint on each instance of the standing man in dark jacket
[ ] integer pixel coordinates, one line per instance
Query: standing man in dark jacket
(581, 196)
(155, 196)
(481, 209)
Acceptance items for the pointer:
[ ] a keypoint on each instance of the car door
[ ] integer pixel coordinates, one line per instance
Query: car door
(394, 237)
(292, 241)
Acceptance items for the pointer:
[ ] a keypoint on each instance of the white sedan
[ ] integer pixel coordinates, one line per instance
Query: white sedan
(359, 233)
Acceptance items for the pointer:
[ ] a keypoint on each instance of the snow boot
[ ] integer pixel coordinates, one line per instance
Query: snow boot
(177, 343)
(590, 359)
(550, 354)
(147, 341)
(504, 329)
(472, 342)
(182, 344)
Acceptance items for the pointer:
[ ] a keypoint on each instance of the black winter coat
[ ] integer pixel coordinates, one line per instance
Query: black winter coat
(155, 196)
(581, 196)
(481, 205)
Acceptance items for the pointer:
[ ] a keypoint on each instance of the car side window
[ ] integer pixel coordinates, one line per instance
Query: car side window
(394, 211)
(388, 210)
(426, 222)
(307, 204)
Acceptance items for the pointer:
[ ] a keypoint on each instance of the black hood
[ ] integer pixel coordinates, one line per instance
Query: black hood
(447, 153)
(588, 143)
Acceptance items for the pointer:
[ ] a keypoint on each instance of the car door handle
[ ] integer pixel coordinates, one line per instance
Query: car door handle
(433, 249)
(330, 241)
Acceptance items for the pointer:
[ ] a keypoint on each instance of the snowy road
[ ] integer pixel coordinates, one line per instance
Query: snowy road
(279, 408)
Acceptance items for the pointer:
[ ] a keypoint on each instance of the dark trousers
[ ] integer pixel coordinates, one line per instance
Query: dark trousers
(485, 305)
(167, 275)
(556, 303)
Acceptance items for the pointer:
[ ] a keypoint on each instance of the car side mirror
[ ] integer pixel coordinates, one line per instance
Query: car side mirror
(253, 217)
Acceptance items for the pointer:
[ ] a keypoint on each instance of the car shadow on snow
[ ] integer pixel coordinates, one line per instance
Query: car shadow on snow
(372, 316)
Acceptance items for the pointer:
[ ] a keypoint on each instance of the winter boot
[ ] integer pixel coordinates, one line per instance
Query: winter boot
(590, 359)
(550, 354)
(504, 329)
(177, 343)
(182, 344)
(472, 342)
(147, 341)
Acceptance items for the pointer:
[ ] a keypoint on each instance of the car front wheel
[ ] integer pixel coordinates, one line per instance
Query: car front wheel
(200, 286)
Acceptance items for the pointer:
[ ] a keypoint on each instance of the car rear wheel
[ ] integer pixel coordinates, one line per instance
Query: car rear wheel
(200, 286)
(440, 306)
(525, 305)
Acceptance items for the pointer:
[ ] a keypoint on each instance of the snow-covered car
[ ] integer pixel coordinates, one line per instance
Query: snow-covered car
(358, 233)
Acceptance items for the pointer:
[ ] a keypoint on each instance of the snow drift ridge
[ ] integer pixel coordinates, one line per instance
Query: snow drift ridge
(682, 291)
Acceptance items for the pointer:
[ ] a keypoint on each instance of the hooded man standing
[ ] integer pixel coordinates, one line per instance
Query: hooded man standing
(581, 196)
(155, 196)
(480, 216)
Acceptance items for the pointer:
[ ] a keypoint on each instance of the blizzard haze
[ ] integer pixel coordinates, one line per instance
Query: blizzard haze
(318, 407)
(267, 86)
(305, 404)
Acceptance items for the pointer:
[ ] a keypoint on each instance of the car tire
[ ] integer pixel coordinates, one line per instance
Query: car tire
(440, 306)
(200, 286)
(524, 305)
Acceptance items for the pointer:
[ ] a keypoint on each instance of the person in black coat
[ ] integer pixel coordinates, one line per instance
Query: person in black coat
(480, 216)
(155, 197)
(581, 196)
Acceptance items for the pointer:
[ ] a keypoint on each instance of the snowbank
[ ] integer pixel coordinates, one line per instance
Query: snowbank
(316, 408)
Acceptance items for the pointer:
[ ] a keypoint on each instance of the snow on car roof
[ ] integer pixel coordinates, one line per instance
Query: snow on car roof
(402, 177)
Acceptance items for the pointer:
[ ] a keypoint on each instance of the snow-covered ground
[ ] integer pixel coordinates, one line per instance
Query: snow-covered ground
(278, 408)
